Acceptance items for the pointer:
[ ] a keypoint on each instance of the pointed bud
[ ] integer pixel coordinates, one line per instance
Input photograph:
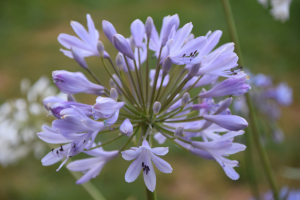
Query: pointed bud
(109, 30)
(223, 105)
(122, 45)
(148, 27)
(156, 107)
(126, 127)
(137, 29)
(166, 66)
(112, 84)
(114, 94)
(100, 48)
(119, 61)
(132, 45)
(193, 71)
(185, 99)
(79, 58)
(230, 122)
(71, 98)
(178, 132)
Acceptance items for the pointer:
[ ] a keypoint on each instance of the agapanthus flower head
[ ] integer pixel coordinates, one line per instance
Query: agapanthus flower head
(149, 103)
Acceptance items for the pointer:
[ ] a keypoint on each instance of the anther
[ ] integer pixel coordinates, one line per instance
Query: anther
(61, 148)
(142, 164)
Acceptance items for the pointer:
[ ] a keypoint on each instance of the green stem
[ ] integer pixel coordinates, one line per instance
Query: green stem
(151, 195)
(253, 123)
(89, 187)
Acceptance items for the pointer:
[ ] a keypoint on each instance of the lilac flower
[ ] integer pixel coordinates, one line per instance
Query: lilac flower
(183, 54)
(75, 82)
(74, 120)
(87, 46)
(164, 114)
(222, 147)
(126, 127)
(158, 41)
(50, 100)
(106, 107)
(283, 94)
(92, 166)
(232, 86)
(144, 156)
(56, 108)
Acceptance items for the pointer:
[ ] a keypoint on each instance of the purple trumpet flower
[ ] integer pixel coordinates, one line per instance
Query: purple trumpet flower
(50, 100)
(56, 108)
(137, 29)
(158, 41)
(222, 147)
(123, 46)
(126, 127)
(74, 120)
(87, 46)
(234, 85)
(144, 156)
(183, 54)
(92, 166)
(75, 82)
(105, 107)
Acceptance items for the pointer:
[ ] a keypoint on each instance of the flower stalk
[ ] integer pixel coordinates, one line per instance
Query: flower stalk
(252, 116)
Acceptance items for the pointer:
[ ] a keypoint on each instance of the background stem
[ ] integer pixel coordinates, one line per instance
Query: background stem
(151, 195)
(253, 124)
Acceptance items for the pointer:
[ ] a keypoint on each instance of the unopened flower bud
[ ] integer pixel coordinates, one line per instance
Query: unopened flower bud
(185, 99)
(156, 107)
(112, 84)
(178, 132)
(100, 48)
(193, 71)
(113, 94)
(166, 66)
(71, 98)
(132, 44)
(119, 61)
(123, 46)
(126, 127)
(79, 58)
(148, 27)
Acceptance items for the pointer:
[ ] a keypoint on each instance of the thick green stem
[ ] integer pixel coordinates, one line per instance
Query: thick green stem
(151, 195)
(253, 123)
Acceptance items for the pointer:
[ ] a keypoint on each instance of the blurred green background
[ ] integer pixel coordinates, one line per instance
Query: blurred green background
(29, 48)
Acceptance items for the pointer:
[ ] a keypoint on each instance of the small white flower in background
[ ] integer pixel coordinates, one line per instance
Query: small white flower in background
(280, 8)
(22, 118)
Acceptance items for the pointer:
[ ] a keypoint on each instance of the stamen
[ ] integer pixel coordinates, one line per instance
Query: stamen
(61, 148)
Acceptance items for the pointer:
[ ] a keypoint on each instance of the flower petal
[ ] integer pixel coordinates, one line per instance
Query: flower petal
(161, 151)
(134, 169)
(92, 173)
(149, 177)
(161, 164)
(131, 154)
